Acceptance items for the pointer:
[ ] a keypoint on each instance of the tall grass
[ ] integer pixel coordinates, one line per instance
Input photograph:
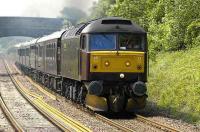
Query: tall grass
(174, 83)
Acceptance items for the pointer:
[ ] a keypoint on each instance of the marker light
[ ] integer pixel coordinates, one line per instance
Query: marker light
(128, 64)
(121, 75)
(107, 63)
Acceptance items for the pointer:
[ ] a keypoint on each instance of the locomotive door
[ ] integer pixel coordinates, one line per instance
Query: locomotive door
(84, 59)
(58, 56)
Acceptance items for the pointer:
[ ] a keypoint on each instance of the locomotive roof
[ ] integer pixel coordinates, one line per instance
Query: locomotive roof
(103, 25)
(54, 35)
(112, 24)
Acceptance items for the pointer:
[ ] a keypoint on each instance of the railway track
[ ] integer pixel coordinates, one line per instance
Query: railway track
(127, 126)
(112, 123)
(63, 122)
(98, 116)
(10, 116)
(156, 124)
(21, 115)
(124, 128)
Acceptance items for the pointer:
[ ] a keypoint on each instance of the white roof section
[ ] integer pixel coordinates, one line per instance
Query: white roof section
(33, 41)
(54, 35)
(17, 45)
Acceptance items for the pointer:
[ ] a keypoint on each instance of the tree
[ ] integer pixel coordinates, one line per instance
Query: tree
(130, 9)
(99, 9)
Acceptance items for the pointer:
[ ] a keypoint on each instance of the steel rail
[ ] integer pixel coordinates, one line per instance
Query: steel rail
(156, 124)
(52, 114)
(10, 116)
(35, 84)
(67, 120)
(41, 89)
(112, 123)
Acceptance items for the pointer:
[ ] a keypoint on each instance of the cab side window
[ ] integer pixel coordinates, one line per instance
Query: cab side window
(83, 42)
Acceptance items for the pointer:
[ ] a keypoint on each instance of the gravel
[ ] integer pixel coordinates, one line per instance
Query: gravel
(25, 114)
(163, 116)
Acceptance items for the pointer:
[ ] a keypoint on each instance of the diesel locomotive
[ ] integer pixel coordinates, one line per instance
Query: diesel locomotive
(101, 64)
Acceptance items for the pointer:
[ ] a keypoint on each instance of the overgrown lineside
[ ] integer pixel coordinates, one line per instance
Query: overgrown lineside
(174, 83)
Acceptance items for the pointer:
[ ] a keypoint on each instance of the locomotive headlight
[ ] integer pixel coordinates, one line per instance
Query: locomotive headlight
(128, 64)
(121, 75)
(107, 63)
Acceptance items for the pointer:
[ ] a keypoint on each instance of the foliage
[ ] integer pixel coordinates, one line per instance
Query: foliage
(73, 15)
(193, 34)
(171, 24)
(175, 84)
(131, 9)
(99, 9)
(171, 27)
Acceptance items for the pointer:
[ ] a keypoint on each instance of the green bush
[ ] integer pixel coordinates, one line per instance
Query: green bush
(174, 83)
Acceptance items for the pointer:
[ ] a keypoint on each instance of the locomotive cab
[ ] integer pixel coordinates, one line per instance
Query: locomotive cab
(114, 66)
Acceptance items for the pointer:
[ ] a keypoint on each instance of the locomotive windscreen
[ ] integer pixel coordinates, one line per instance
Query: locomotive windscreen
(102, 42)
(121, 41)
(131, 42)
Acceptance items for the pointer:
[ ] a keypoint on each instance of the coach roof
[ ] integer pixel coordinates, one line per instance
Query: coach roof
(54, 35)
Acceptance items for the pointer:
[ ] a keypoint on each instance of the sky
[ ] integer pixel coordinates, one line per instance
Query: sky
(40, 8)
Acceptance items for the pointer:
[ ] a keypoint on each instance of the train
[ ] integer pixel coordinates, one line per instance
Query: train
(101, 64)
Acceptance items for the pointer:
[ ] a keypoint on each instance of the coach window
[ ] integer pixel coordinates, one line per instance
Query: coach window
(23, 52)
(47, 49)
(27, 52)
(83, 42)
(40, 51)
(19, 52)
(52, 56)
(51, 51)
(53, 48)
(54, 51)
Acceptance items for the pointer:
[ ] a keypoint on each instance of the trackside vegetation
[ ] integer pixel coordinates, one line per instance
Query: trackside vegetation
(174, 83)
